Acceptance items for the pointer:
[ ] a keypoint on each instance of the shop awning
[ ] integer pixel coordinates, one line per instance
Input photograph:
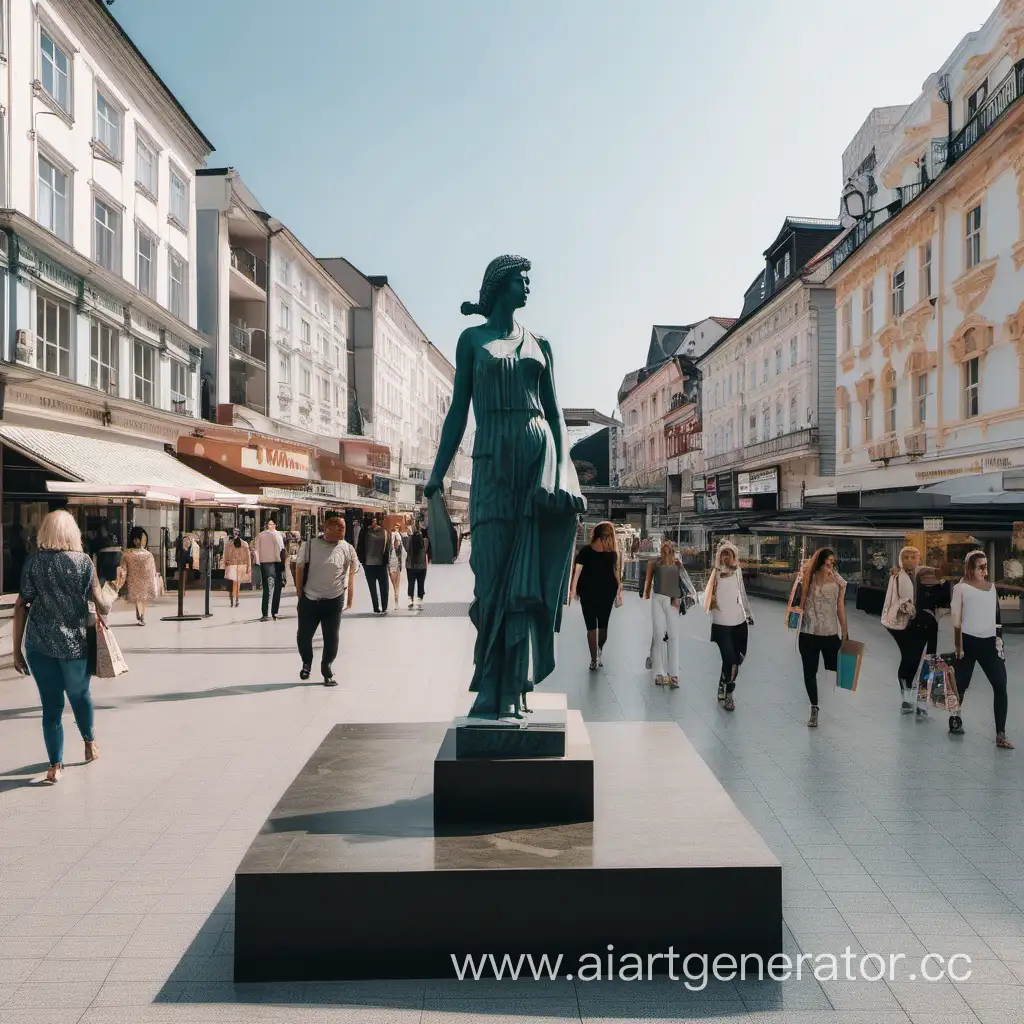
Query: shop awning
(96, 466)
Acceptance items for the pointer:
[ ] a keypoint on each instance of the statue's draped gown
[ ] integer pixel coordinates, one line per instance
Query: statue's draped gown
(522, 551)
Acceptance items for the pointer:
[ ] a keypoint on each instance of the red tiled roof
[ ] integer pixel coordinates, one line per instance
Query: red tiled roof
(725, 321)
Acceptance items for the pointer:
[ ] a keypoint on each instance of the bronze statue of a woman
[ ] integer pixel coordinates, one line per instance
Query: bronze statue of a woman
(524, 499)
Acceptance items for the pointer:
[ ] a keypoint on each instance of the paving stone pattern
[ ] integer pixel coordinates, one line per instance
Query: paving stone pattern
(116, 893)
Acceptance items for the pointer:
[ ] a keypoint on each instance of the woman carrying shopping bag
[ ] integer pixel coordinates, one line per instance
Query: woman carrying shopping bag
(725, 600)
(662, 587)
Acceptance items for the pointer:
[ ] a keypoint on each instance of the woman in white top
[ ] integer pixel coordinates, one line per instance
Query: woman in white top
(663, 585)
(900, 617)
(725, 600)
(977, 635)
(396, 561)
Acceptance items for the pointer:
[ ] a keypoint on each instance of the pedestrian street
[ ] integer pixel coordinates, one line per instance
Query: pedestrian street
(116, 885)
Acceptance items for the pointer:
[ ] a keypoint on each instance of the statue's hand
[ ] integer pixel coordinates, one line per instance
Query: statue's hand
(431, 488)
(561, 499)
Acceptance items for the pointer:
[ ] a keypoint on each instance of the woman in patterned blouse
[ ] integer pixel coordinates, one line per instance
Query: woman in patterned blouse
(50, 616)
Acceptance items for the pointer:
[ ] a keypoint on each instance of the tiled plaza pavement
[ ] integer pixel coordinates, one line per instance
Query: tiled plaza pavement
(116, 893)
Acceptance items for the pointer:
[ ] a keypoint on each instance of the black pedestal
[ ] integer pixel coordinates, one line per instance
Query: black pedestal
(350, 879)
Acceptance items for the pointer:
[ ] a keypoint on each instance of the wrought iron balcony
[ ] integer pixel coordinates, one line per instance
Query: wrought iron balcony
(773, 446)
(249, 265)
(1003, 97)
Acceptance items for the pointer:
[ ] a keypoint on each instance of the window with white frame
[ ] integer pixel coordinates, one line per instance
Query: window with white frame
(181, 385)
(793, 347)
(867, 313)
(868, 410)
(972, 404)
(891, 396)
(972, 225)
(177, 285)
(321, 340)
(785, 266)
(753, 429)
(146, 249)
(53, 336)
(106, 235)
(285, 370)
(975, 101)
(147, 164)
(304, 333)
(324, 390)
(179, 198)
(284, 320)
(899, 283)
(925, 261)
(792, 414)
(920, 399)
(306, 382)
(143, 372)
(103, 347)
(55, 71)
(846, 337)
(54, 205)
(109, 125)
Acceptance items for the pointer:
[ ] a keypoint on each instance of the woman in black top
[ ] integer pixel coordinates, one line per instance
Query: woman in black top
(597, 581)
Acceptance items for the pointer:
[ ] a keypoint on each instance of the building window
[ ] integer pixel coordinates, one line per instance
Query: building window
(654, 407)
(971, 387)
(899, 279)
(106, 236)
(56, 72)
(284, 321)
(180, 386)
(869, 410)
(108, 126)
(921, 399)
(847, 335)
(306, 383)
(143, 372)
(285, 369)
(785, 266)
(778, 419)
(973, 237)
(792, 414)
(926, 270)
(868, 314)
(304, 333)
(976, 100)
(179, 199)
(766, 424)
(337, 355)
(53, 337)
(764, 375)
(103, 347)
(146, 249)
(847, 432)
(147, 162)
(177, 290)
(778, 360)
(54, 196)
(793, 346)
(891, 394)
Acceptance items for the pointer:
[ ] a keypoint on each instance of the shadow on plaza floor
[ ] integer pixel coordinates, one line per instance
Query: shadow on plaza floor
(17, 778)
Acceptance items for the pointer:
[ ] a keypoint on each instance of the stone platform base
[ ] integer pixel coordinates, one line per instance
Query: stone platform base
(350, 879)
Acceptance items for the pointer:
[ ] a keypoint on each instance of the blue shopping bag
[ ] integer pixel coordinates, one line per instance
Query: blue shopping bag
(848, 663)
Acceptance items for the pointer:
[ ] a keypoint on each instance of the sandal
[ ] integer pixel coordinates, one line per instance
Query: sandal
(673, 682)
(1003, 743)
(92, 751)
(54, 773)
(729, 704)
(593, 664)
(721, 691)
(812, 722)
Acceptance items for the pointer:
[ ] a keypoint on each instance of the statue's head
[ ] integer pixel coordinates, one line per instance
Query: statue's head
(505, 281)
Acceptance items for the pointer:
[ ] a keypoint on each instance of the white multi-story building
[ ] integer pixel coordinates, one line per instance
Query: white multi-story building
(97, 189)
(929, 284)
(768, 383)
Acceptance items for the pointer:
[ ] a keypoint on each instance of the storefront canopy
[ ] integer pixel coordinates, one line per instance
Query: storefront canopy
(96, 466)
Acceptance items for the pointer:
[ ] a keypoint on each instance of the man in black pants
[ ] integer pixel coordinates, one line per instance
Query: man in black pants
(324, 573)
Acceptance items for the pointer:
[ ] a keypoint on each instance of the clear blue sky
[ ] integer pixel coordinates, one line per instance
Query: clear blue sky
(643, 155)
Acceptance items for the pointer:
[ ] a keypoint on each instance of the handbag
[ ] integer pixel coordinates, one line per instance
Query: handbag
(795, 610)
(110, 661)
(848, 662)
(896, 613)
(943, 692)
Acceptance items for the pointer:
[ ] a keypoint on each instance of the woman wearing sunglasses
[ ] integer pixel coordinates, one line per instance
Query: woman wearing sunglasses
(977, 634)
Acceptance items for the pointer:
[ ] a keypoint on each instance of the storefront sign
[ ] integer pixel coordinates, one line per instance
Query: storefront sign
(711, 485)
(933, 524)
(746, 502)
(887, 449)
(276, 460)
(698, 485)
(761, 481)
(711, 503)
(990, 464)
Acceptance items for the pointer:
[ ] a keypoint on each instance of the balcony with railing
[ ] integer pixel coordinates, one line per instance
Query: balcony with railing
(249, 342)
(806, 438)
(943, 155)
(249, 274)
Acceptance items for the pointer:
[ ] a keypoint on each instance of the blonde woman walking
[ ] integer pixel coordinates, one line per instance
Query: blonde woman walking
(725, 600)
(662, 587)
(137, 573)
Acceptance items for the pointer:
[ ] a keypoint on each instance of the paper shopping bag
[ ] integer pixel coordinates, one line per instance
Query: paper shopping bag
(848, 663)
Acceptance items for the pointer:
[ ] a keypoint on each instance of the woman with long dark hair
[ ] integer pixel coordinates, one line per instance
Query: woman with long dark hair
(820, 592)
(237, 565)
(417, 558)
(978, 636)
(597, 581)
(137, 573)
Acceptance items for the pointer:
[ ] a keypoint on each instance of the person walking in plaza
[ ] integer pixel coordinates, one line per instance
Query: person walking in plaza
(662, 586)
(597, 581)
(417, 559)
(725, 600)
(325, 571)
(820, 592)
(978, 638)
(374, 542)
(396, 561)
(108, 554)
(50, 620)
(237, 566)
(915, 629)
(137, 574)
(270, 553)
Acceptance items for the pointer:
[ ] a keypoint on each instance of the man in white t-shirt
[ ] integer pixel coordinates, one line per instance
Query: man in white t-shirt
(269, 552)
(325, 569)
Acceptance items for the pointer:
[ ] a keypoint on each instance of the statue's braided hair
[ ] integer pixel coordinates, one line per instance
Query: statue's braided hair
(497, 272)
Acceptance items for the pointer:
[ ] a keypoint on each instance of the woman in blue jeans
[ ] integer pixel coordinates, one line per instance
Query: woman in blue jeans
(50, 617)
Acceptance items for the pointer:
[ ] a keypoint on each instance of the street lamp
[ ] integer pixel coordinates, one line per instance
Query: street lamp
(854, 201)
